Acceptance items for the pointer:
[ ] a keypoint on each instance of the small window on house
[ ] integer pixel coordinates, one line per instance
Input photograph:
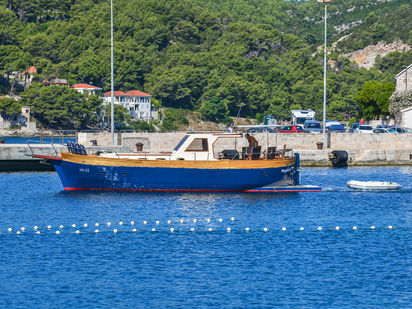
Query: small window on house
(198, 144)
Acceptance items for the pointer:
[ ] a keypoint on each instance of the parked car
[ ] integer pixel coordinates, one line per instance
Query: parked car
(363, 128)
(336, 128)
(401, 129)
(384, 130)
(259, 130)
(312, 126)
(353, 127)
(291, 129)
(331, 122)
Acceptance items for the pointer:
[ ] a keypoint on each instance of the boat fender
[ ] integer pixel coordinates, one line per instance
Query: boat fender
(339, 158)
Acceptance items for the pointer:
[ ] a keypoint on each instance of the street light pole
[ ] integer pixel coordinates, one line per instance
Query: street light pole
(324, 74)
(111, 73)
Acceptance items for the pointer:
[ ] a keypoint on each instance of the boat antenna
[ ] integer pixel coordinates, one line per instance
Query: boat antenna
(112, 74)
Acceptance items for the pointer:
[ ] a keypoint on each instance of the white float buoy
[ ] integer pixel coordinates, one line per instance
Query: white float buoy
(194, 220)
(73, 225)
(9, 229)
(120, 223)
(96, 224)
(355, 227)
(247, 229)
(337, 228)
(192, 229)
(61, 226)
(115, 231)
(390, 227)
(228, 229)
(372, 227)
(134, 230)
(96, 231)
(208, 220)
(109, 223)
(57, 232)
(157, 222)
(168, 221)
(131, 222)
(144, 222)
(172, 230)
(49, 227)
(220, 220)
(265, 229)
(23, 229)
(181, 221)
(319, 228)
(301, 228)
(35, 227)
(37, 232)
(77, 232)
(232, 219)
(283, 228)
(85, 225)
(210, 229)
(153, 230)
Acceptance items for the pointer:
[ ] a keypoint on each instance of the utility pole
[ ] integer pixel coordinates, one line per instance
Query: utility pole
(112, 73)
(324, 73)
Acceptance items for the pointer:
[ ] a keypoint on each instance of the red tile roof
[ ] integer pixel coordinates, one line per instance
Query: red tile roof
(138, 93)
(84, 86)
(133, 93)
(32, 70)
(118, 93)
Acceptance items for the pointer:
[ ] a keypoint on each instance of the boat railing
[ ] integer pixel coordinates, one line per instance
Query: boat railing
(56, 153)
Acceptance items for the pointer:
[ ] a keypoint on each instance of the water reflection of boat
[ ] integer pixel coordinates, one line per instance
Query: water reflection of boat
(200, 162)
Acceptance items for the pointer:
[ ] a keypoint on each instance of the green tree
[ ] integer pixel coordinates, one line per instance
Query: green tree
(121, 115)
(374, 98)
(58, 107)
(10, 107)
(215, 110)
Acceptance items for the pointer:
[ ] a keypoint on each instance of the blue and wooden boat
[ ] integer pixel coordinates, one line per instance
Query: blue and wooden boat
(199, 163)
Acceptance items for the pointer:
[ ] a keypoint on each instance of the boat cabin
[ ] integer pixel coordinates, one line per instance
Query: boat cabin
(207, 147)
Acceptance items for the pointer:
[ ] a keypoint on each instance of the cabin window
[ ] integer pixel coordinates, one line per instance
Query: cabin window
(181, 143)
(198, 144)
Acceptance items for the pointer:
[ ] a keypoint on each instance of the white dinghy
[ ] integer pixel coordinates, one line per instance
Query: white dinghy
(373, 185)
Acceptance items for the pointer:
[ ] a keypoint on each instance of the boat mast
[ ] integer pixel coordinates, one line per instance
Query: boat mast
(112, 73)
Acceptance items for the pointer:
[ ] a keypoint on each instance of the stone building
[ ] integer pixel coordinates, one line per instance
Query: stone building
(404, 79)
(401, 99)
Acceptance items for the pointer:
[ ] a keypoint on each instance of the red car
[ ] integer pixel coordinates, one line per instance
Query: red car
(291, 129)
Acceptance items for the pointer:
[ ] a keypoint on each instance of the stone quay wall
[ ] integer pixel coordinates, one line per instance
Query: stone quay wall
(307, 141)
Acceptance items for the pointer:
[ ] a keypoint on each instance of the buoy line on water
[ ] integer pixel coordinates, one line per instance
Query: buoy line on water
(155, 226)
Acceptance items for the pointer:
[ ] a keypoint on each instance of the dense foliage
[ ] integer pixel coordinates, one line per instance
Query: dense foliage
(248, 58)
(58, 107)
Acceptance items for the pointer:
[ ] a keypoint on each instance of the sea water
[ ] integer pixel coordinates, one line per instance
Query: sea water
(338, 248)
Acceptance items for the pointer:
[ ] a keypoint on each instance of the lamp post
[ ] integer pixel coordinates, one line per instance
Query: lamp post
(111, 73)
(324, 75)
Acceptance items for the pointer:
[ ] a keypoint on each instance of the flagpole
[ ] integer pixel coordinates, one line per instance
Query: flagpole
(111, 73)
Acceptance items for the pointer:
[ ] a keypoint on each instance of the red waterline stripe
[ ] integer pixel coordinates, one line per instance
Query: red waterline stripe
(271, 191)
(148, 190)
(183, 190)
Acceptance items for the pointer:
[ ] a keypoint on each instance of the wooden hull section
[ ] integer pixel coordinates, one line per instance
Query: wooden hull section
(79, 172)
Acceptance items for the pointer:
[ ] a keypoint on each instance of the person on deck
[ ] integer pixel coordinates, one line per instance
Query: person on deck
(252, 143)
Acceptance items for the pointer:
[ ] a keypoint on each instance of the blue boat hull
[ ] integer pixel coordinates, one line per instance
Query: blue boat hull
(77, 176)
